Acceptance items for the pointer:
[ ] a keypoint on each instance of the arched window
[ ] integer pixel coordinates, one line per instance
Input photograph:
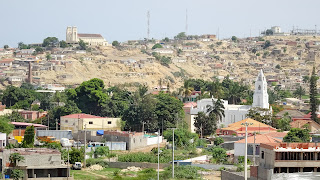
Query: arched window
(259, 87)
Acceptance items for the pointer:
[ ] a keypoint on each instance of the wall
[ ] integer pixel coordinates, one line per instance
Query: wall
(56, 133)
(226, 175)
(134, 141)
(3, 140)
(124, 165)
(153, 140)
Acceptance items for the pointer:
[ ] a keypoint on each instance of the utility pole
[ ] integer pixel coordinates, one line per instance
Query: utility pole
(78, 132)
(48, 123)
(85, 144)
(173, 153)
(246, 151)
(68, 173)
(143, 127)
(201, 131)
(254, 148)
(158, 154)
(56, 124)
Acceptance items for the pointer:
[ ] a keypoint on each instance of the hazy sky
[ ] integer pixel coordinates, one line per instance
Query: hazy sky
(30, 21)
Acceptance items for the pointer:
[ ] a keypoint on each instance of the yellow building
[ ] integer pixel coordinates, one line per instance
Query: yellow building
(77, 122)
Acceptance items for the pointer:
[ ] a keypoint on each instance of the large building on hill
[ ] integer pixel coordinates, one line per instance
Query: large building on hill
(233, 113)
(73, 37)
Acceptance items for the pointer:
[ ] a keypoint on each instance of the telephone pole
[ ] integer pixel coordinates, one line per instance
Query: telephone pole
(85, 144)
(148, 23)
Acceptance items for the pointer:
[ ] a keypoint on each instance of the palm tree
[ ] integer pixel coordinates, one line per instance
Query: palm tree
(299, 92)
(217, 109)
(14, 158)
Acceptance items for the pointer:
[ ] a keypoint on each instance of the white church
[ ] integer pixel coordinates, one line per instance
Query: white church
(233, 113)
(73, 37)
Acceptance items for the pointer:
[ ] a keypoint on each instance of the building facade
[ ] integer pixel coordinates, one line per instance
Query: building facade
(278, 158)
(73, 37)
(77, 122)
(233, 113)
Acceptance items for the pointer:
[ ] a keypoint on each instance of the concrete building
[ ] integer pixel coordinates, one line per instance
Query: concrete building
(233, 113)
(76, 122)
(72, 37)
(32, 115)
(239, 146)
(3, 140)
(42, 163)
(286, 158)
(276, 29)
(134, 140)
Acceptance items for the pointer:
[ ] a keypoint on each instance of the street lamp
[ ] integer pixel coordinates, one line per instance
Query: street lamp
(246, 150)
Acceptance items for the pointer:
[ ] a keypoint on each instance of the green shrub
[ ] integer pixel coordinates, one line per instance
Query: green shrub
(241, 160)
(101, 162)
(218, 141)
(181, 172)
(222, 168)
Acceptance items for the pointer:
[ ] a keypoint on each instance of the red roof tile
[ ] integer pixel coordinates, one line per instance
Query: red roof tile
(90, 35)
(81, 116)
(261, 138)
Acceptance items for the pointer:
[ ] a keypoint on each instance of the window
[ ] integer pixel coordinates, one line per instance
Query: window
(109, 122)
(262, 154)
(66, 121)
(90, 122)
(259, 88)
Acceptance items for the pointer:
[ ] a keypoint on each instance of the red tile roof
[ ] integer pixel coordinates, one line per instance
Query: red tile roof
(189, 104)
(261, 138)
(90, 35)
(27, 124)
(81, 116)
(277, 134)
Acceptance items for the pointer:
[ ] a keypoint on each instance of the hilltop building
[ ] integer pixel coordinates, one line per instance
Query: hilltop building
(233, 113)
(73, 37)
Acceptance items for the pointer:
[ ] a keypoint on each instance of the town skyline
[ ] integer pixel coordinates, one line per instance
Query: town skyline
(167, 19)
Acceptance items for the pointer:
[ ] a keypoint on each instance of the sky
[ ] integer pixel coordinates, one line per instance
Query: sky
(33, 20)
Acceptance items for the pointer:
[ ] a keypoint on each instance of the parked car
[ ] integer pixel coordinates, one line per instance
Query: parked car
(77, 166)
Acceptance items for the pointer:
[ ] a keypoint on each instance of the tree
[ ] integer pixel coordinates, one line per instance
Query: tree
(21, 98)
(166, 39)
(82, 45)
(299, 92)
(205, 125)
(305, 79)
(89, 96)
(5, 46)
(234, 38)
(313, 95)
(63, 44)
(269, 32)
(48, 57)
(50, 42)
(15, 158)
(165, 61)
(169, 110)
(21, 45)
(38, 50)
(219, 154)
(76, 155)
(5, 125)
(266, 44)
(284, 123)
(182, 137)
(181, 36)
(17, 174)
(157, 46)
(101, 151)
(218, 140)
(28, 140)
(217, 109)
(297, 135)
(260, 114)
(278, 66)
(115, 43)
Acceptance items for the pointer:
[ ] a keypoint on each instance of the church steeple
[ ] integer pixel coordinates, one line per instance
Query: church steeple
(260, 96)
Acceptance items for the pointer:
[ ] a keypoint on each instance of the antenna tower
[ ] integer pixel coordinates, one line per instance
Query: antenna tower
(186, 21)
(148, 17)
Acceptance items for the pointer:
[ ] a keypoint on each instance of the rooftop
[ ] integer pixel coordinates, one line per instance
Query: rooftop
(81, 116)
(90, 35)
(27, 124)
(30, 151)
(261, 138)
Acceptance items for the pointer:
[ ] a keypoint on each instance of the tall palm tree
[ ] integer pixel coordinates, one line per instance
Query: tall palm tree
(217, 109)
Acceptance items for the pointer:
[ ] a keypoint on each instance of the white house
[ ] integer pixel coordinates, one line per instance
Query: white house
(233, 113)
(163, 51)
(3, 140)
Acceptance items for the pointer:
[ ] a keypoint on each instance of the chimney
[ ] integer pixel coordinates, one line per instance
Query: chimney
(30, 73)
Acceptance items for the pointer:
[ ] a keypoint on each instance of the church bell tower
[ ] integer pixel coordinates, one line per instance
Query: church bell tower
(260, 96)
